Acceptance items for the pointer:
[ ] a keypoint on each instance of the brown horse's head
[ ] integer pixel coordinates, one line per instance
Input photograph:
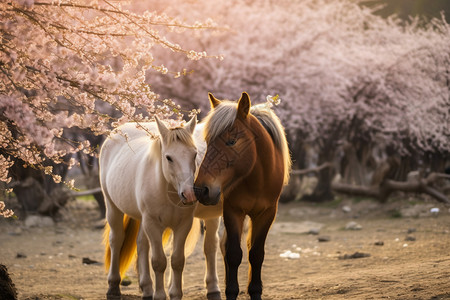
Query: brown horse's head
(231, 149)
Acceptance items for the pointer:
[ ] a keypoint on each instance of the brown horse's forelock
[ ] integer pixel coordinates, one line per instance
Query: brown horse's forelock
(220, 119)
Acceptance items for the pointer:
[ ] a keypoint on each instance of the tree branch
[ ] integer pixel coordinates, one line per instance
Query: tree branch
(86, 192)
(311, 170)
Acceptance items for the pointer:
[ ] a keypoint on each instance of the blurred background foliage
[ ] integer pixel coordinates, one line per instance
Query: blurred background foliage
(365, 89)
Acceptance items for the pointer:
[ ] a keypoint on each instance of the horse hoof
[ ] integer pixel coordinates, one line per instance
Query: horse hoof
(113, 293)
(113, 297)
(255, 297)
(213, 296)
(147, 297)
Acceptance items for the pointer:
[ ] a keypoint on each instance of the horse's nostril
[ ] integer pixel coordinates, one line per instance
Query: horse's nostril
(201, 192)
(197, 192)
(183, 195)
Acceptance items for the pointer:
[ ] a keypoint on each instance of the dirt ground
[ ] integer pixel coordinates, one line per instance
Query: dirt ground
(310, 254)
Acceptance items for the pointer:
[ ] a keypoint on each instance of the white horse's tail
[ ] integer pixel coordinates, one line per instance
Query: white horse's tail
(129, 246)
(192, 237)
(191, 240)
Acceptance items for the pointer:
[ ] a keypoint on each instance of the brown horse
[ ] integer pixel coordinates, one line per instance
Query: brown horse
(247, 162)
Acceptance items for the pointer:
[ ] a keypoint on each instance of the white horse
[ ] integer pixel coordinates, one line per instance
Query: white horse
(148, 187)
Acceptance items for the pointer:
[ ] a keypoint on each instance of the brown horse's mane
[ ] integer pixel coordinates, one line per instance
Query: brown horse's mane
(224, 115)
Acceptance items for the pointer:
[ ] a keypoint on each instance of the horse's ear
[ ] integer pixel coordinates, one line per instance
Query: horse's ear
(163, 130)
(244, 105)
(190, 126)
(214, 102)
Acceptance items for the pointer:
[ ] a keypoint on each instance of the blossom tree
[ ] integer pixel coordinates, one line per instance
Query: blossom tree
(75, 64)
(363, 97)
(358, 90)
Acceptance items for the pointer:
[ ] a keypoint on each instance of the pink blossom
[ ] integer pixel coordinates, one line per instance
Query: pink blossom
(6, 213)
(67, 64)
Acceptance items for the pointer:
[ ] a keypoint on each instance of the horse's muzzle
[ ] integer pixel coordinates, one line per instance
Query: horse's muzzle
(187, 197)
(207, 196)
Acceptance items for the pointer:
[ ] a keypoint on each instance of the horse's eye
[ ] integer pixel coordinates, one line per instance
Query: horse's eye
(169, 158)
(230, 142)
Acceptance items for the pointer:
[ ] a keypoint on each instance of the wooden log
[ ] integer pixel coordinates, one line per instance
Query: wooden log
(387, 187)
(87, 192)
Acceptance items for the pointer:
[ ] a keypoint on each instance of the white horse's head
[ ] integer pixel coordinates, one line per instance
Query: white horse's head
(178, 153)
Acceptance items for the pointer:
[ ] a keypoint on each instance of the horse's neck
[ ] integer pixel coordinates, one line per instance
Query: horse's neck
(268, 156)
(263, 140)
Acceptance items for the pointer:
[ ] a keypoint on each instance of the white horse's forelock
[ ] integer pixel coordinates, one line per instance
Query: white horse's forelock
(180, 134)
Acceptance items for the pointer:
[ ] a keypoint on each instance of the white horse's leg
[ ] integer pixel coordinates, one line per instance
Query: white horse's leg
(159, 261)
(178, 259)
(116, 237)
(145, 280)
(210, 245)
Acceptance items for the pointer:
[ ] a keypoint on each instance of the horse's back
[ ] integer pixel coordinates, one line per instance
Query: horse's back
(124, 157)
(132, 132)
(128, 139)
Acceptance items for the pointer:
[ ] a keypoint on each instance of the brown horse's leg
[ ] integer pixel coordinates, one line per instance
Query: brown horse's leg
(233, 253)
(260, 227)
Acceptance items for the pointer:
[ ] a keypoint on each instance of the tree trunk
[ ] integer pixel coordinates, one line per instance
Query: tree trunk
(89, 166)
(323, 192)
(93, 183)
(36, 192)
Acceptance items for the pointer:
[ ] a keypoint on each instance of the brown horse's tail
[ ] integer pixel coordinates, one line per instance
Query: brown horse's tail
(129, 246)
